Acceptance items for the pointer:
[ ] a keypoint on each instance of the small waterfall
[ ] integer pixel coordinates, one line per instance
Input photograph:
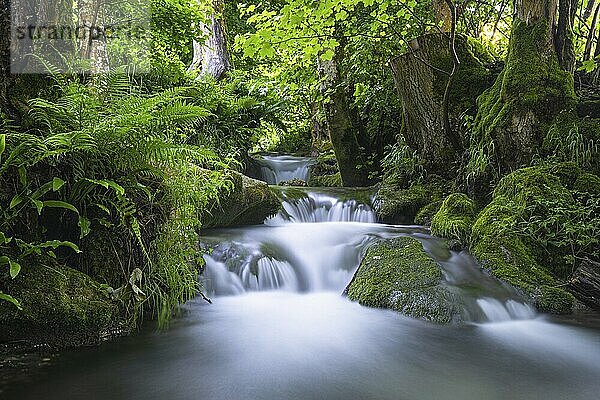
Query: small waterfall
(498, 311)
(319, 207)
(276, 169)
(316, 243)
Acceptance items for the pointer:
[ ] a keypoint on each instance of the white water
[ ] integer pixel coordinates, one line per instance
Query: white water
(276, 169)
(279, 329)
(320, 207)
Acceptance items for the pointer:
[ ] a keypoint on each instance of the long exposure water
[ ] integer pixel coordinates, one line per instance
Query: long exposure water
(276, 169)
(279, 328)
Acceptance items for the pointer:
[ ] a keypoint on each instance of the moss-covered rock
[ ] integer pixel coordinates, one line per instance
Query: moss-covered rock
(527, 234)
(426, 214)
(248, 202)
(455, 218)
(395, 205)
(399, 275)
(62, 307)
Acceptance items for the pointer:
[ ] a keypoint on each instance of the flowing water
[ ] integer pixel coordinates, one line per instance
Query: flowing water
(279, 328)
(276, 169)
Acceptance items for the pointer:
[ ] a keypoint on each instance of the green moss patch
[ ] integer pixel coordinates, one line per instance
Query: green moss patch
(536, 228)
(399, 275)
(455, 218)
(62, 307)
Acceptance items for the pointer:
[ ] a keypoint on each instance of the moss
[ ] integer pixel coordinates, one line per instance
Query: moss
(293, 182)
(471, 79)
(333, 180)
(554, 300)
(455, 218)
(426, 214)
(399, 275)
(514, 114)
(62, 307)
(249, 202)
(394, 205)
(509, 236)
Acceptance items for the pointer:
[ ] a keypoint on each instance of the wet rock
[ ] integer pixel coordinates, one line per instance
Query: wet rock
(248, 202)
(399, 275)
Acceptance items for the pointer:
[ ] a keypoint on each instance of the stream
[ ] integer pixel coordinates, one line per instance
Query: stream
(279, 327)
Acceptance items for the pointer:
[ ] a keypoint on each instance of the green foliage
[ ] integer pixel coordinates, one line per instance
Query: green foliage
(537, 229)
(121, 157)
(402, 166)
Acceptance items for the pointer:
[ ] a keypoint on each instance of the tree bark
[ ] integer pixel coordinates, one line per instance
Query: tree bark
(421, 78)
(443, 14)
(90, 15)
(565, 47)
(514, 115)
(589, 43)
(211, 56)
(585, 283)
(339, 123)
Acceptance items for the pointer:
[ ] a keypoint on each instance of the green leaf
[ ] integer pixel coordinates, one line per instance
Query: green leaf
(15, 201)
(15, 268)
(39, 205)
(10, 299)
(3, 238)
(57, 243)
(4, 260)
(2, 144)
(109, 184)
(22, 175)
(57, 183)
(84, 227)
(60, 204)
(328, 55)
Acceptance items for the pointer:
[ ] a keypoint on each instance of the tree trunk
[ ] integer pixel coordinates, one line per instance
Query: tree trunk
(591, 37)
(565, 47)
(421, 76)
(585, 283)
(589, 9)
(211, 56)
(339, 123)
(443, 14)
(515, 114)
(90, 14)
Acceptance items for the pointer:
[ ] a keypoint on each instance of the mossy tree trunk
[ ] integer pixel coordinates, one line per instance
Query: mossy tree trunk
(515, 114)
(340, 125)
(421, 77)
(211, 56)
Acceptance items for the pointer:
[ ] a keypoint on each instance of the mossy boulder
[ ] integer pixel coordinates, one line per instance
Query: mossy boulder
(248, 202)
(527, 234)
(455, 218)
(397, 205)
(62, 307)
(426, 214)
(399, 275)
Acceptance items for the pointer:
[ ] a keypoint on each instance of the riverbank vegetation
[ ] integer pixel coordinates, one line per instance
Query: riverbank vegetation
(481, 119)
